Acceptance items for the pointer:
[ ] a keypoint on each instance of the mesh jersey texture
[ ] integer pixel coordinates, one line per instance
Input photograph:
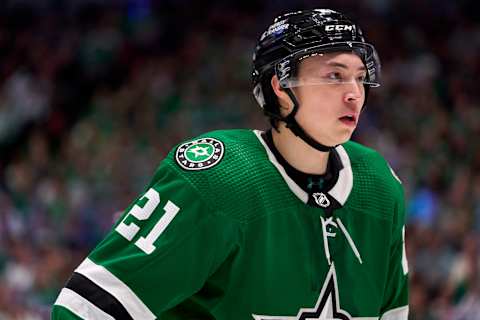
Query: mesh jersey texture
(245, 184)
(244, 246)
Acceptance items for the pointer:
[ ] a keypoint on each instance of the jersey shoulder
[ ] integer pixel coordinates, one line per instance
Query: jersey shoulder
(371, 161)
(215, 152)
(376, 188)
(231, 170)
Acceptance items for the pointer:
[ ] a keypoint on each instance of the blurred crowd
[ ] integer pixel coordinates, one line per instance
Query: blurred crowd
(93, 96)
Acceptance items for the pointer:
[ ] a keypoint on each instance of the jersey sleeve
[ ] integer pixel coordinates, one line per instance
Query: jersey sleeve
(395, 305)
(160, 252)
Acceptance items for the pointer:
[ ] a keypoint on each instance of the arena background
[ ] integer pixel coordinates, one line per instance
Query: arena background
(93, 94)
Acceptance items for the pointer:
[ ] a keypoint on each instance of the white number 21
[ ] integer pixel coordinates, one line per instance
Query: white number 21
(128, 231)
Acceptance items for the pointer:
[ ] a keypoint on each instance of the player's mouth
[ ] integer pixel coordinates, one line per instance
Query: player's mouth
(349, 120)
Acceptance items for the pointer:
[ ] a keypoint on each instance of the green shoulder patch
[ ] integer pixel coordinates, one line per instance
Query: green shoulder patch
(199, 154)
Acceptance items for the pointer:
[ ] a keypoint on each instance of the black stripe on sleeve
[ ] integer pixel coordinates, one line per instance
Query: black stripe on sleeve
(98, 296)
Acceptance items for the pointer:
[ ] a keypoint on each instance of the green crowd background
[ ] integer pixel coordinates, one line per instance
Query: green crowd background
(93, 94)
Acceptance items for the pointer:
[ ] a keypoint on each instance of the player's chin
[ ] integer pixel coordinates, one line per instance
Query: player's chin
(335, 141)
(342, 137)
(335, 136)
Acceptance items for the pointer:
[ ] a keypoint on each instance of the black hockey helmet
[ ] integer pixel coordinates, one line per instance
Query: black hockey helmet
(297, 35)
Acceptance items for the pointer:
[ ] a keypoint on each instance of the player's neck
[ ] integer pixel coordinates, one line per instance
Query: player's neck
(299, 154)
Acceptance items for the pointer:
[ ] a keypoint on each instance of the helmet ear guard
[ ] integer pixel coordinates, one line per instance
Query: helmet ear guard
(268, 101)
(258, 94)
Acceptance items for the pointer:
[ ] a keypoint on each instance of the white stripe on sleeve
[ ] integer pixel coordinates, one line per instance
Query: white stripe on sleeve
(80, 306)
(110, 283)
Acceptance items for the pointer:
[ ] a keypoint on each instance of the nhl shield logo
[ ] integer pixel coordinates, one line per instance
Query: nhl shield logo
(199, 154)
(321, 199)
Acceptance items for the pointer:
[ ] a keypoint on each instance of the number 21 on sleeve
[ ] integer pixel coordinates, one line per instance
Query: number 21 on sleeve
(128, 231)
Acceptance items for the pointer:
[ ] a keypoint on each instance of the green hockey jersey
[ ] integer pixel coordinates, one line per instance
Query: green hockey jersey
(222, 232)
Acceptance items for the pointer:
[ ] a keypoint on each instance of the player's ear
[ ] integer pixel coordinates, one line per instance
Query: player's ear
(283, 98)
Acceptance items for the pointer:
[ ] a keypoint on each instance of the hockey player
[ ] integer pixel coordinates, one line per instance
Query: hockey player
(293, 223)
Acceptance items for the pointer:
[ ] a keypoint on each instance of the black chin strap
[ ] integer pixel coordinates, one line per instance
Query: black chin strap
(293, 125)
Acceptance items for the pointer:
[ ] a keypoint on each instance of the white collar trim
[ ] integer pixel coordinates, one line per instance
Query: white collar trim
(302, 195)
(340, 191)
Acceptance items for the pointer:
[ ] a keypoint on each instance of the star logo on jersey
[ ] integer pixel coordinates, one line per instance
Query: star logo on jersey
(199, 154)
(326, 308)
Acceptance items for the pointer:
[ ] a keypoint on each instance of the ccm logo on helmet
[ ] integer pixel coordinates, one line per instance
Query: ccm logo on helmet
(340, 27)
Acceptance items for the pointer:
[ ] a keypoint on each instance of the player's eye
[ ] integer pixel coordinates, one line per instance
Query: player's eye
(362, 78)
(334, 76)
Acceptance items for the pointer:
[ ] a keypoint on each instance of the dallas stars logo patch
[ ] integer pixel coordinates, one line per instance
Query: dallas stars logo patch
(199, 154)
(326, 308)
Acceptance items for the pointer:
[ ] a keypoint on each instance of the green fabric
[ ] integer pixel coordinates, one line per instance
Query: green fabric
(61, 313)
(243, 243)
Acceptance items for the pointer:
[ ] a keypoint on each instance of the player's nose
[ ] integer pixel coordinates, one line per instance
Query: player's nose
(353, 93)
